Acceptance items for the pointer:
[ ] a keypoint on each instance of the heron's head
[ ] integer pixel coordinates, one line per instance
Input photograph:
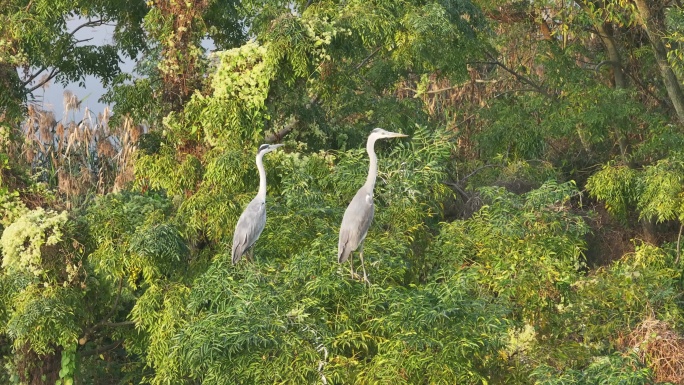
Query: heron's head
(265, 148)
(379, 133)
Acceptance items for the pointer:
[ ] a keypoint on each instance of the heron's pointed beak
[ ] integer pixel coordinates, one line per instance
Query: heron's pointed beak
(397, 135)
(274, 146)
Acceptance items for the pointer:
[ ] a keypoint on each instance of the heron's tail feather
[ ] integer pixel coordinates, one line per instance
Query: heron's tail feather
(235, 255)
(342, 254)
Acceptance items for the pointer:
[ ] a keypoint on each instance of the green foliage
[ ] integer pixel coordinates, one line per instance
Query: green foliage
(618, 186)
(616, 298)
(22, 241)
(138, 286)
(663, 193)
(527, 249)
(613, 369)
(122, 227)
(44, 317)
(562, 128)
(68, 370)
(325, 325)
(12, 206)
(656, 191)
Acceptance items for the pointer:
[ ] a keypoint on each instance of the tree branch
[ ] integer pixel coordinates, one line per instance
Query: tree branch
(104, 321)
(459, 190)
(278, 135)
(521, 78)
(364, 61)
(54, 72)
(679, 238)
(117, 324)
(102, 349)
(513, 91)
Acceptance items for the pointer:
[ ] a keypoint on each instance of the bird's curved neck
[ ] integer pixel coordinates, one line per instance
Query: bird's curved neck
(262, 176)
(373, 167)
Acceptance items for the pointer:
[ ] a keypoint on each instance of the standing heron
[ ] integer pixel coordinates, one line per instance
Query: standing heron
(253, 219)
(359, 214)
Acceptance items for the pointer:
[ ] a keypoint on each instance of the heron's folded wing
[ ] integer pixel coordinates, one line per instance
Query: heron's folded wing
(248, 228)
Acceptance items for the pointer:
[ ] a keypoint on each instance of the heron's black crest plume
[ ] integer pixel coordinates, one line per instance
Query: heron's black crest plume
(262, 148)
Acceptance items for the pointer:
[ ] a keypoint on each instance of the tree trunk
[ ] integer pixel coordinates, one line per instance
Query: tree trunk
(653, 24)
(606, 35)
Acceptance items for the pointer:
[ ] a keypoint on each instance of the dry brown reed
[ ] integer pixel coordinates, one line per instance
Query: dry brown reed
(659, 347)
(79, 157)
(71, 102)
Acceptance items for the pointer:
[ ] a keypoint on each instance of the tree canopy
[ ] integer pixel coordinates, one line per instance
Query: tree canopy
(528, 230)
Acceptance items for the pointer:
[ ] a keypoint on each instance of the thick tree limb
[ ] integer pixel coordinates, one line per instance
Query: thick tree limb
(653, 25)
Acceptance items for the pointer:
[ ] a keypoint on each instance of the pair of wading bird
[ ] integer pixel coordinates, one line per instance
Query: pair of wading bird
(355, 222)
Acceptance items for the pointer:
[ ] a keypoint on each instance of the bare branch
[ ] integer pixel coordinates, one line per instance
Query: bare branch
(280, 134)
(459, 190)
(364, 61)
(521, 78)
(117, 324)
(476, 171)
(54, 72)
(679, 238)
(102, 349)
(514, 91)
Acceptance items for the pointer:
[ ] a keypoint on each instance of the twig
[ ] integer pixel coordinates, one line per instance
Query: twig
(457, 185)
(512, 91)
(319, 348)
(476, 171)
(431, 91)
(116, 324)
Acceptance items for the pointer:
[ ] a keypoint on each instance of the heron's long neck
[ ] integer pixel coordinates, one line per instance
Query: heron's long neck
(373, 167)
(262, 177)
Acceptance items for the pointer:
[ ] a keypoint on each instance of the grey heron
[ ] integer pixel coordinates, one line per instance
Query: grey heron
(253, 219)
(359, 214)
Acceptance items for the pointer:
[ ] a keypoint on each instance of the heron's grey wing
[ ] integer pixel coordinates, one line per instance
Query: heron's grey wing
(355, 223)
(248, 228)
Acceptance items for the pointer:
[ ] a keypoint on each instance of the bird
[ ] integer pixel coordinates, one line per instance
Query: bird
(253, 219)
(359, 214)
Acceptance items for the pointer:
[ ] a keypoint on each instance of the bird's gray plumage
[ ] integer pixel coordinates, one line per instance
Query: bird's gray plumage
(253, 219)
(359, 214)
(355, 223)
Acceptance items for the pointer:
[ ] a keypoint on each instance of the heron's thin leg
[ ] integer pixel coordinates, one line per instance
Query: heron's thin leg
(365, 276)
(351, 264)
